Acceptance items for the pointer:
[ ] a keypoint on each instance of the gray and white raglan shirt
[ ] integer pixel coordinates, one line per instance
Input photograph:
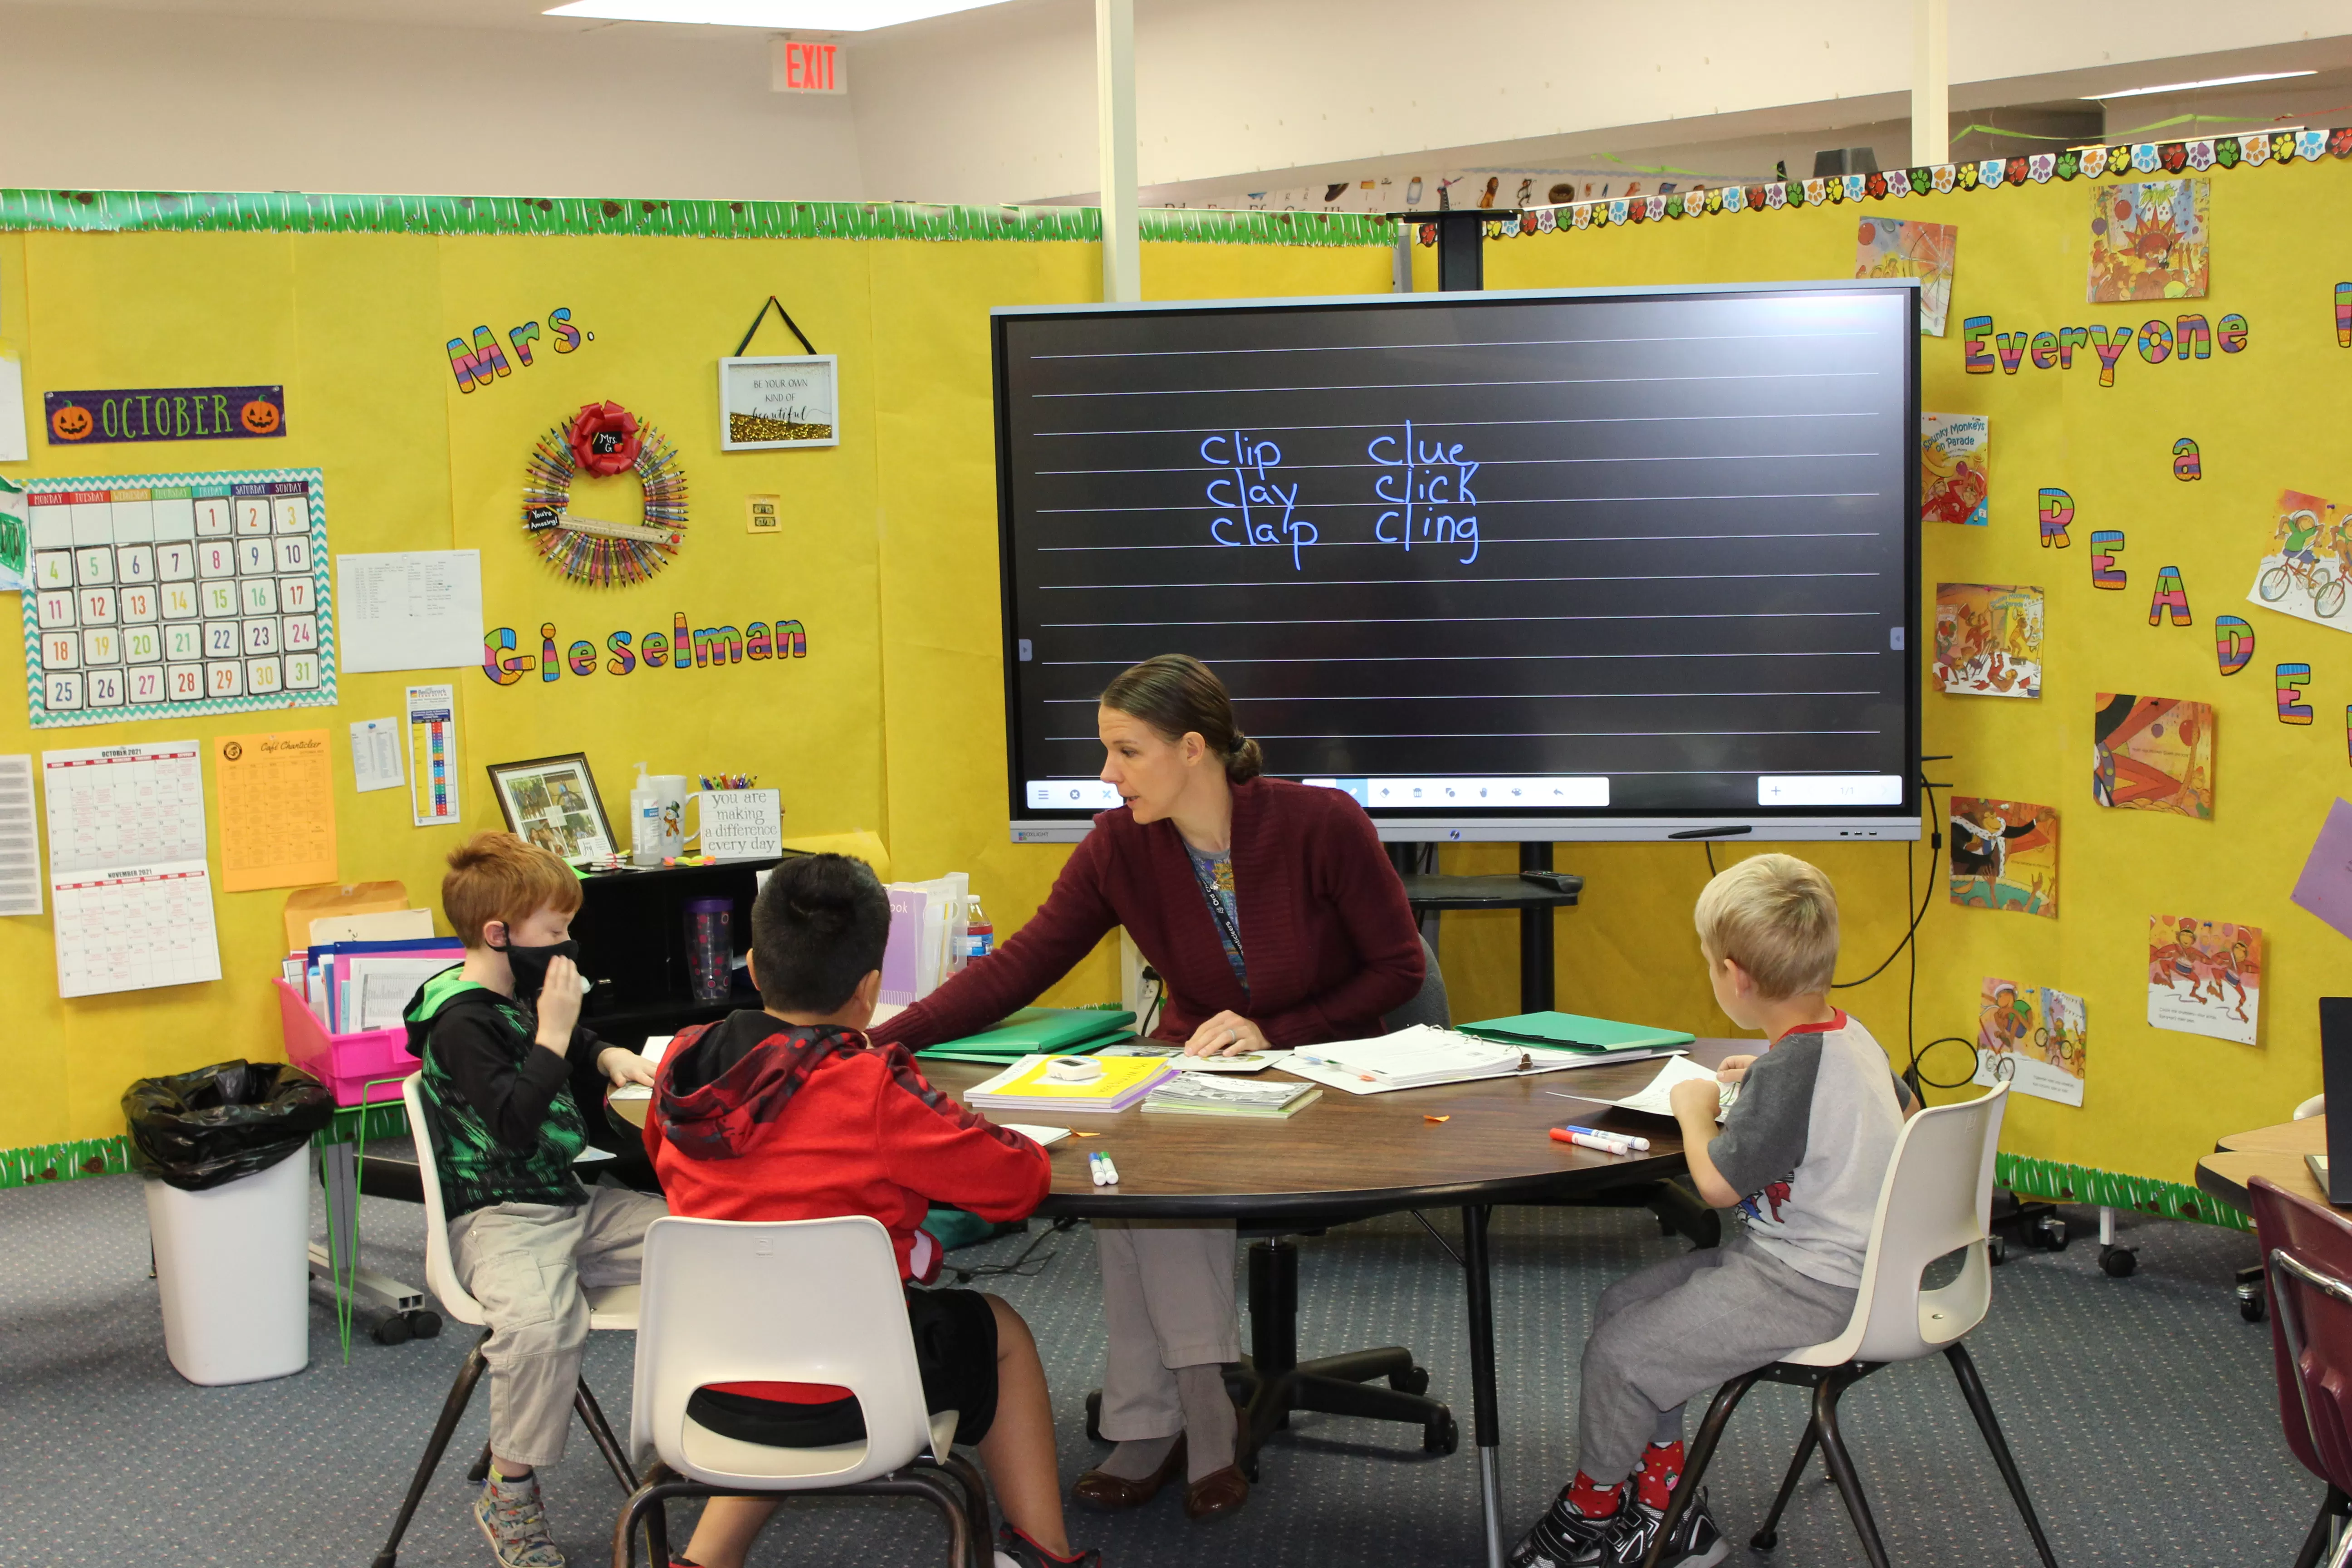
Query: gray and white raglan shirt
(1808, 1141)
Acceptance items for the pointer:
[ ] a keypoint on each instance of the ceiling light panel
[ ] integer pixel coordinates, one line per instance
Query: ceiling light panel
(2193, 86)
(800, 16)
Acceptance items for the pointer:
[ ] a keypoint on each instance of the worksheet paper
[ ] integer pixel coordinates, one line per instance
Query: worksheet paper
(432, 755)
(375, 755)
(276, 810)
(410, 609)
(134, 901)
(1657, 1100)
(20, 840)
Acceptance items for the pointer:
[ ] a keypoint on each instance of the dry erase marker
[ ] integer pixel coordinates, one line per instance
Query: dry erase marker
(1110, 1171)
(1628, 1138)
(1094, 1163)
(1587, 1141)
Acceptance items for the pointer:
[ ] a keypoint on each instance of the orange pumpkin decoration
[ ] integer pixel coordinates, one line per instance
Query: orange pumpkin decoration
(71, 422)
(258, 418)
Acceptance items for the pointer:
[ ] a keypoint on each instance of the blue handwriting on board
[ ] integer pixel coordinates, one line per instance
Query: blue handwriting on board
(1424, 482)
(1257, 510)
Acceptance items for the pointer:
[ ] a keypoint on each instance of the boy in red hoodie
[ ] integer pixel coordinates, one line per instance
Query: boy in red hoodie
(792, 1113)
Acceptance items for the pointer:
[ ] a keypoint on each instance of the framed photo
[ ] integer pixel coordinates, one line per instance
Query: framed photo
(779, 400)
(552, 802)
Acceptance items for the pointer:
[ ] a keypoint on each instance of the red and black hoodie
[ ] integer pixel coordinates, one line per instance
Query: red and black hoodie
(755, 1119)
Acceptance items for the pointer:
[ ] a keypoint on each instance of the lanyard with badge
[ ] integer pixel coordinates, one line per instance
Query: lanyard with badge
(1205, 873)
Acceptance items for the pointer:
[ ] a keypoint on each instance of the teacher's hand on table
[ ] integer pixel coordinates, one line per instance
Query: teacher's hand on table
(1226, 1035)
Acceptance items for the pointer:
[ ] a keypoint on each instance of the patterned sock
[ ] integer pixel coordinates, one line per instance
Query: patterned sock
(1138, 1459)
(1591, 1499)
(1661, 1467)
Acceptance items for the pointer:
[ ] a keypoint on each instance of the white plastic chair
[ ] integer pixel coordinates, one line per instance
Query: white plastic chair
(609, 1307)
(1937, 1200)
(815, 1300)
(2315, 1106)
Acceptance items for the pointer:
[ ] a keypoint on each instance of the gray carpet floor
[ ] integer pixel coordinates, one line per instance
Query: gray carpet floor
(2141, 1409)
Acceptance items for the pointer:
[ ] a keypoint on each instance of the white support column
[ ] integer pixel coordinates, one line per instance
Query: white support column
(1931, 75)
(1115, 128)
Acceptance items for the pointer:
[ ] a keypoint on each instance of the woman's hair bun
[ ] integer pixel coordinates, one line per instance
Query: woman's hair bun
(1245, 761)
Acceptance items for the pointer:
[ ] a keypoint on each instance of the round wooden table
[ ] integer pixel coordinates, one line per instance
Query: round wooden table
(1351, 1157)
(2276, 1152)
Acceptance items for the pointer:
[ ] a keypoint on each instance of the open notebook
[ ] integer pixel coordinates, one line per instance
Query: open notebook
(1424, 1057)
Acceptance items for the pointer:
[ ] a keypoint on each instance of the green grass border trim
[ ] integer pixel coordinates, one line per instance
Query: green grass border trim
(295, 212)
(2061, 1183)
(46, 1162)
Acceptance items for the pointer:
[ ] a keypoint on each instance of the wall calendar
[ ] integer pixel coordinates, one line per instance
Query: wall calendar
(155, 595)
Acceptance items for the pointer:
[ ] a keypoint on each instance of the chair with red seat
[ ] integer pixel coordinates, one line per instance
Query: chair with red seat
(2308, 1257)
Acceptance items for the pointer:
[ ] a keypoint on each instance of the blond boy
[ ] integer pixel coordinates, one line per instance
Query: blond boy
(1801, 1154)
(505, 1067)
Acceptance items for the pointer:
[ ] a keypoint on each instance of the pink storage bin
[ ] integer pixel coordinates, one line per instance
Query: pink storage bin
(346, 1064)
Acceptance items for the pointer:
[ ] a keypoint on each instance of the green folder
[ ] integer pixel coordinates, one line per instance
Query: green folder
(1574, 1032)
(1038, 1031)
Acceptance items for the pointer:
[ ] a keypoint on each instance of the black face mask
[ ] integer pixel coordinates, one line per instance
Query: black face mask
(530, 964)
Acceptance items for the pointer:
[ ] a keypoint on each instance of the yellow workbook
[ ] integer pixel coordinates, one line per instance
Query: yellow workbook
(1071, 1083)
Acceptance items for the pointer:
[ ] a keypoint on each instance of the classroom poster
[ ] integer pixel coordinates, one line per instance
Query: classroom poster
(1890, 247)
(2004, 855)
(277, 798)
(1987, 639)
(2306, 561)
(2148, 240)
(432, 755)
(2204, 977)
(2152, 753)
(2032, 1039)
(1955, 469)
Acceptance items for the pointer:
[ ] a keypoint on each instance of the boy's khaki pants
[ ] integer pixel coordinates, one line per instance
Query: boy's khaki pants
(526, 1264)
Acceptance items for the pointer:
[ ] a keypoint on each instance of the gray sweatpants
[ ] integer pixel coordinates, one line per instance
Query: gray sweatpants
(525, 1263)
(1682, 1326)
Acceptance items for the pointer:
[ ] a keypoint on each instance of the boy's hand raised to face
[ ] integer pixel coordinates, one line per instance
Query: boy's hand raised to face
(559, 1005)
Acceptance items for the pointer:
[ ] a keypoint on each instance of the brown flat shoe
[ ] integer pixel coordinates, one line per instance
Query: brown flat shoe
(1220, 1492)
(1111, 1494)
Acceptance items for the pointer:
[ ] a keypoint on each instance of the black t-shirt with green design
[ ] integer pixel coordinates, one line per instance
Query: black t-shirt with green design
(501, 1110)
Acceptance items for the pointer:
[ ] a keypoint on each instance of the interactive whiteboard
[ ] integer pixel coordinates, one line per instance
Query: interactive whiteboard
(1569, 564)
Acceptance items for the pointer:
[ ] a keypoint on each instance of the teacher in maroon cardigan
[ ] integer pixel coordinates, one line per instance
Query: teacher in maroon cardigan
(1273, 921)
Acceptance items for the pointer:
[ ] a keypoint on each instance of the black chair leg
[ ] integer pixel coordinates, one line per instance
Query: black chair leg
(1973, 1390)
(592, 1415)
(461, 1394)
(1841, 1466)
(2315, 1545)
(1702, 1450)
(975, 1491)
(480, 1470)
(645, 1505)
(1768, 1536)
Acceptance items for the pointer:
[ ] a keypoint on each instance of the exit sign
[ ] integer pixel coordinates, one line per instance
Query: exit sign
(797, 66)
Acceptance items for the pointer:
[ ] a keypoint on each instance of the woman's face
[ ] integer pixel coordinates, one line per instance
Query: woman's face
(1150, 772)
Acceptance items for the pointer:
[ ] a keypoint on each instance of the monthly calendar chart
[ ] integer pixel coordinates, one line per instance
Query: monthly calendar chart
(153, 598)
(127, 874)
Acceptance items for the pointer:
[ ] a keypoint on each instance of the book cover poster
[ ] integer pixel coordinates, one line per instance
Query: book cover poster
(2004, 855)
(1955, 469)
(1987, 639)
(1890, 247)
(2031, 1039)
(2150, 240)
(2204, 977)
(2306, 560)
(2152, 753)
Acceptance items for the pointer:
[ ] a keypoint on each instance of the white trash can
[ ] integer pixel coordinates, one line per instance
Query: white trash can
(234, 1265)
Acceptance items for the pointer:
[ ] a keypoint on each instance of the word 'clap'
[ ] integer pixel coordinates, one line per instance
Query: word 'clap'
(681, 648)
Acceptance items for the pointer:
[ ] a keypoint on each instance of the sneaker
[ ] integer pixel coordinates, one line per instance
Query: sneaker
(1696, 1542)
(510, 1515)
(1565, 1538)
(1014, 1550)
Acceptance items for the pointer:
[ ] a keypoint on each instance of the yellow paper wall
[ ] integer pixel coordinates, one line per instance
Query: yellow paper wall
(893, 723)
(2154, 1100)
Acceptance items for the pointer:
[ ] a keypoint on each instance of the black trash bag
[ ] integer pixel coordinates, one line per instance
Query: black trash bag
(202, 1129)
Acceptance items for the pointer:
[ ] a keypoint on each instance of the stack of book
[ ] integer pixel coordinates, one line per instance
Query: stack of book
(1201, 1094)
(1417, 1057)
(1029, 1084)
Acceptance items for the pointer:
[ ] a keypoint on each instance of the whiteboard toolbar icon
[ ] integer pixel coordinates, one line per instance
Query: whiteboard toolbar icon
(1830, 789)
